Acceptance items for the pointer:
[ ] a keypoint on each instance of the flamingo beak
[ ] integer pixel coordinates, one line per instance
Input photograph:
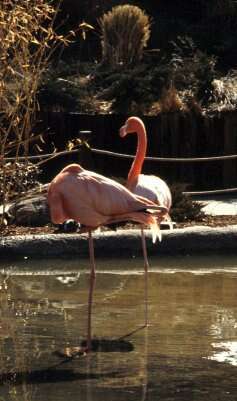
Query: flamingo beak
(122, 131)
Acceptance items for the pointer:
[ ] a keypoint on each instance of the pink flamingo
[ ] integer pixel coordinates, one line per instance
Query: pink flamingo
(94, 200)
(148, 186)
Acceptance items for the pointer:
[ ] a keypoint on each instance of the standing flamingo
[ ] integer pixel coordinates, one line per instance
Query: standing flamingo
(94, 200)
(149, 186)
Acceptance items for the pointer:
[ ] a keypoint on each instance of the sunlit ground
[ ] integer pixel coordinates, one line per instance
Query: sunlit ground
(188, 352)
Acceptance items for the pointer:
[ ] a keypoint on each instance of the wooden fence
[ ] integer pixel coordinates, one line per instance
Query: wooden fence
(169, 135)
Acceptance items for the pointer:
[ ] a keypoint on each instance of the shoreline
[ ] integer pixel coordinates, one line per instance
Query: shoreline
(121, 243)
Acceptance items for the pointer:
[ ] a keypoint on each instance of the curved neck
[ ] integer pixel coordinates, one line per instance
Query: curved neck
(136, 166)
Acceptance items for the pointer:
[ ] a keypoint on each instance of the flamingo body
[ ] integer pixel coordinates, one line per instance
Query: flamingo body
(94, 200)
(149, 186)
(153, 188)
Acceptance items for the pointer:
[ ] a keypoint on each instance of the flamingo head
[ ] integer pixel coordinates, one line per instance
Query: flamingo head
(131, 125)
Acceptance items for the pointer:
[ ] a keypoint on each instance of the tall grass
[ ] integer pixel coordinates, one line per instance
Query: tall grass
(125, 31)
(27, 42)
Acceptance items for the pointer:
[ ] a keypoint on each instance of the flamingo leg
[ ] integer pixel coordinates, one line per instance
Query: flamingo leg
(146, 267)
(91, 289)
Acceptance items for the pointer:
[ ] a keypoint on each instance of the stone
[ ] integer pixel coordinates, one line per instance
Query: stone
(31, 212)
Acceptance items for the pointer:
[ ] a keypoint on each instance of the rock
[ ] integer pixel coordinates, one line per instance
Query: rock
(32, 212)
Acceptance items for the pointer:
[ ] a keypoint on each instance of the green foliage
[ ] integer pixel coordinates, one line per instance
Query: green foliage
(191, 69)
(127, 89)
(57, 93)
(62, 88)
(125, 31)
(183, 79)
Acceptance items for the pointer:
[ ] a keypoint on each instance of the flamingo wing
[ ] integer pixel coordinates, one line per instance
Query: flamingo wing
(93, 199)
(153, 188)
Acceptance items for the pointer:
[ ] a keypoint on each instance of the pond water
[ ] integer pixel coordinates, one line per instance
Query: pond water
(188, 352)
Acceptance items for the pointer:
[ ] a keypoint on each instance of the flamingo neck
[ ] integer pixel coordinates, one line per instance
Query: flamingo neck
(137, 164)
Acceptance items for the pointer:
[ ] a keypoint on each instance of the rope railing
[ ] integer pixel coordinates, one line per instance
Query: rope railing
(211, 192)
(126, 156)
(51, 156)
(166, 159)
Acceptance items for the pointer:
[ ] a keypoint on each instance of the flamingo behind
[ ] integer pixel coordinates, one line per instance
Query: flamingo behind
(149, 186)
(94, 200)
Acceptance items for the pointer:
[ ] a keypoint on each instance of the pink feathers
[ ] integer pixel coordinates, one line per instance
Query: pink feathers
(94, 200)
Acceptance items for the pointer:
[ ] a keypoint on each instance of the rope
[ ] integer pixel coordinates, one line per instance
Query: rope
(166, 159)
(51, 156)
(127, 156)
(211, 192)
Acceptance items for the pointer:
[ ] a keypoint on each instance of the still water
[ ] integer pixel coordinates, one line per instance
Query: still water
(188, 352)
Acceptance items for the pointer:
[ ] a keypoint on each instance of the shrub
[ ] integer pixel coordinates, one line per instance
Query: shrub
(191, 69)
(125, 31)
(17, 178)
(183, 207)
(170, 100)
(223, 95)
(128, 90)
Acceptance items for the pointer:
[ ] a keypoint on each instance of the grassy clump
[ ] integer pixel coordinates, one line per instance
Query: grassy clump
(125, 31)
(183, 207)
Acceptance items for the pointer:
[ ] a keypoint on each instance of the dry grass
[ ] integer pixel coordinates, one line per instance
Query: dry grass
(125, 31)
(28, 40)
(170, 101)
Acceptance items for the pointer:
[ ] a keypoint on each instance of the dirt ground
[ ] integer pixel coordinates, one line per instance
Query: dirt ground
(211, 221)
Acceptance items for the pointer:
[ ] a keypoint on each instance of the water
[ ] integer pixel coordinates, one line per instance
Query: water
(188, 352)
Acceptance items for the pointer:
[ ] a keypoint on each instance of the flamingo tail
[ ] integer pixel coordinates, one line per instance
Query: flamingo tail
(142, 218)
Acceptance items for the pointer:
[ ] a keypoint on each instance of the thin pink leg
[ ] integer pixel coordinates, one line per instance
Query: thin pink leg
(146, 267)
(91, 289)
